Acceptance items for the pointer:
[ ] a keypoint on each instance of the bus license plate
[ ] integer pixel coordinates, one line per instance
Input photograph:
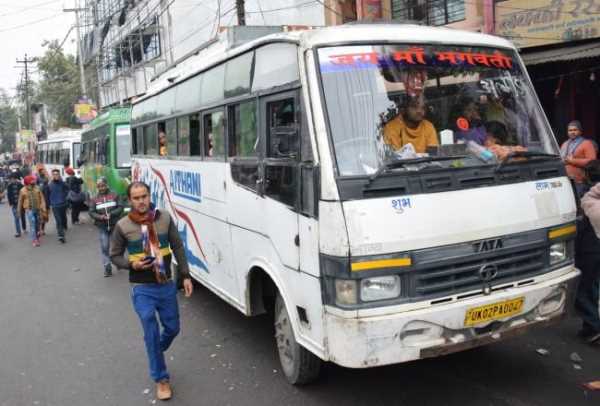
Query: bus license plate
(494, 311)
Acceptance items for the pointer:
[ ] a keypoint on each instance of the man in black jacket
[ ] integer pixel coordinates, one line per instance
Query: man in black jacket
(12, 194)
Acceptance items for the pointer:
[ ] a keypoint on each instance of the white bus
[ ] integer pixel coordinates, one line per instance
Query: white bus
(391, 192)
(60, 151)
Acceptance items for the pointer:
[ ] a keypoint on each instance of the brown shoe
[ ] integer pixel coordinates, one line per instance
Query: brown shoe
(163, 390)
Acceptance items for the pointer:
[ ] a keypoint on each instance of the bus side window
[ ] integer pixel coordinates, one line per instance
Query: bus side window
(194, 134)
(183, 136)
(281, 166)
(150, 140)
(214, 138)
(134, 146)
(171, 137)
(244, 143)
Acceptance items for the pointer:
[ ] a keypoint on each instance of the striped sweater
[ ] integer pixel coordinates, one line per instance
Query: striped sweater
(127, 236)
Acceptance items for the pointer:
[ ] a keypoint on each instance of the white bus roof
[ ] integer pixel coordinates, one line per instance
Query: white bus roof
(344, 34)
(64, 134)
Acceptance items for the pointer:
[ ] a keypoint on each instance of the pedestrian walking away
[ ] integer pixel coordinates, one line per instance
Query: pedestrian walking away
(587, 258)
(151, 239)
(576, 153)
(57, 192)
(12, 195)
(76, 197)
(31, 200)
(105, 210)
(42, 182)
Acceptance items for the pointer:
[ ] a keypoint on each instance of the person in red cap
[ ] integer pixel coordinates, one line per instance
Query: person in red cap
(76, 196)
(33, 202)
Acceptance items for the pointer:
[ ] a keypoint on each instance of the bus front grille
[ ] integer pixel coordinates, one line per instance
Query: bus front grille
(464, 274)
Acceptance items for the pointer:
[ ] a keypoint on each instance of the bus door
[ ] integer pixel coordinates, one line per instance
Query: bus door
(280, 174)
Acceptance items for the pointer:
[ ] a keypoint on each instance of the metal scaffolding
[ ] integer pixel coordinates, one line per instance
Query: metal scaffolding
(123, 38)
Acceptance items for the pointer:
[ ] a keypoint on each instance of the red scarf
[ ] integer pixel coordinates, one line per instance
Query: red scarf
(151, 242)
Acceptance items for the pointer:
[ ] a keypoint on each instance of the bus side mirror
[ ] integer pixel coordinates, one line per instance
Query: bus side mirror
(80, 161)
(284, 142)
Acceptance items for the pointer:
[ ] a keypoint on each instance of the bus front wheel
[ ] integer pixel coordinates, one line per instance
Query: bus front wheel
(299, 365)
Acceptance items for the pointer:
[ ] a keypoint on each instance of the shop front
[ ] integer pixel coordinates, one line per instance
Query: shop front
(559, 42)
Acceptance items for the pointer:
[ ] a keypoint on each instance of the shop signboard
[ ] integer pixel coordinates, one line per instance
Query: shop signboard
(531, 23)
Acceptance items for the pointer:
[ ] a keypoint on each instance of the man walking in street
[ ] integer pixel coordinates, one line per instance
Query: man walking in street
(12, 194)
(32, 201)
(105, 210)
(76, 196)
(151, 239)
(57, 191)
(576, 153)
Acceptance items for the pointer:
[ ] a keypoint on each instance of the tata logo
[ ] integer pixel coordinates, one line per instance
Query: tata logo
(488, 245)
(186, 184)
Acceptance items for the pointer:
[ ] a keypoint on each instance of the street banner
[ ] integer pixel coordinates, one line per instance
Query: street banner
(85, 111)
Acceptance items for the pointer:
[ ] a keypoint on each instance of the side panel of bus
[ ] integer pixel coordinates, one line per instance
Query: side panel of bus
(194, 193)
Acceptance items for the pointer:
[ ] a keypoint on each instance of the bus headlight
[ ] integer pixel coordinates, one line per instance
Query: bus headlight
(345, 292)
(380, 288)
(558, 252)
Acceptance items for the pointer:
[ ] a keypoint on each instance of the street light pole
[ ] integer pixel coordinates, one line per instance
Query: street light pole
(79, 49)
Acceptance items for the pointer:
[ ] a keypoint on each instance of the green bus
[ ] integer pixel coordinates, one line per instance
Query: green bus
(106, 151)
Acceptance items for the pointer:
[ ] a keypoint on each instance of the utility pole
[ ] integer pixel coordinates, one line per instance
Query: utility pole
(79, 49)
(26, 61)
(241, 11)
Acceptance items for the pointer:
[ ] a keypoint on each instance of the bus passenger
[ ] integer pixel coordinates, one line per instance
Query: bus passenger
(496, 140)
(410, 127)
(162, 142)
(469, 124)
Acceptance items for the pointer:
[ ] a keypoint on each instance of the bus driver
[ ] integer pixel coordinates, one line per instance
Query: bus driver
(410, 126)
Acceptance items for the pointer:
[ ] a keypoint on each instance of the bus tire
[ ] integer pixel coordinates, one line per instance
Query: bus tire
(299, 365)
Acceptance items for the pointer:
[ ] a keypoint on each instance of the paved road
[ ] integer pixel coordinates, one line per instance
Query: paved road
(69, 337)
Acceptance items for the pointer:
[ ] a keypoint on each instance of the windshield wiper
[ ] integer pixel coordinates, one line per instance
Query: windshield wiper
(525, 154)
(398, 163)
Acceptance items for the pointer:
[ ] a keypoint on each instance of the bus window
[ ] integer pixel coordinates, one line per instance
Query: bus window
(237, 75)
(214, 140)
(134, 146)
(139, 137)
(171, 128)
(283, 136)
(183, 137)
(150, 140)
(76, 153)
(194, 134)
(281, 176)
(275, 65)
(212, 85)
(123, 146)
(243, 134)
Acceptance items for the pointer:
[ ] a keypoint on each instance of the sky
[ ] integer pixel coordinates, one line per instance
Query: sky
(24, 25)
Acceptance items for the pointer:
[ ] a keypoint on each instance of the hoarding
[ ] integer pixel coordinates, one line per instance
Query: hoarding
(531, 23)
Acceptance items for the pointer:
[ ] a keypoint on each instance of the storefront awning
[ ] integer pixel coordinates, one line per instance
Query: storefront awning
(562, 54)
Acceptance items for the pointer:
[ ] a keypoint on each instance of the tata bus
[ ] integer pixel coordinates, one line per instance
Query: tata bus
(290, 196)
(60, 151)
(106, 151)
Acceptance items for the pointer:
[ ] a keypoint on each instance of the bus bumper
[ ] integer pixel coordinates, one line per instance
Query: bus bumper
(383, 336)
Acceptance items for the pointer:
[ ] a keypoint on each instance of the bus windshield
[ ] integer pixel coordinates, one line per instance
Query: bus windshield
(430, 106)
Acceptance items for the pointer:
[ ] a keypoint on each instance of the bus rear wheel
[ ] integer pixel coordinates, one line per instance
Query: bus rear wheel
(299, 365)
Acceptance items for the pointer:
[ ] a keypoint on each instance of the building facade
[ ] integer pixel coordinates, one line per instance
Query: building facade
(560, 44)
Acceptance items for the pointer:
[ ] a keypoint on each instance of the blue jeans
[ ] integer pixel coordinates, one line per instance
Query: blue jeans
(149, 299)
(17, 219)
(60, 218)
(104, 246)
(34, 220)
